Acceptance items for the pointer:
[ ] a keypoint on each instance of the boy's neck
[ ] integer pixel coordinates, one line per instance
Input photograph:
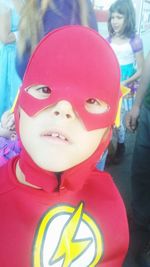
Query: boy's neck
(21, 177)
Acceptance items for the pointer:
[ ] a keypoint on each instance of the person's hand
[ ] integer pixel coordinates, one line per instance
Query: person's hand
(132, 118)
(7, 127)
(8, 121)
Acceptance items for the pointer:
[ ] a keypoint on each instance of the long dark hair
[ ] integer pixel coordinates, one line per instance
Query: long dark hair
(125, 8)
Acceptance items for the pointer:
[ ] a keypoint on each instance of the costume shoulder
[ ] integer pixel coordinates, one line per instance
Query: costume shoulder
(136, 44)
(6, 173)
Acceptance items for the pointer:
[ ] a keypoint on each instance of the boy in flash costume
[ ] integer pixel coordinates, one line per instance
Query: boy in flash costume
(56, 208)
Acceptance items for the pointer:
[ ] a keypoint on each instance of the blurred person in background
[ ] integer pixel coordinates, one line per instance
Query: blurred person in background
(139, 118)
(128, 48)
(38, 17)
(9, 79)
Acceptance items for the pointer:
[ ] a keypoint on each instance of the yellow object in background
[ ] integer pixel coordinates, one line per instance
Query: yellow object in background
(13, 106)
(124, 90)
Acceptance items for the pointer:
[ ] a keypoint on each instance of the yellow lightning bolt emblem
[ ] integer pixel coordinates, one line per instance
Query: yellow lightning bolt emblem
(69, 248)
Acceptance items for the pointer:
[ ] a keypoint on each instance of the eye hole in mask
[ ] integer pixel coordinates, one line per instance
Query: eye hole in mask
(95, 106)
(39, 91)
(92, 105)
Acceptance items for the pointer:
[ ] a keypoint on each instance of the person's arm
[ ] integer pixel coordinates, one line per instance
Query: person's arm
(139, 57)
(92, 22)
(132, 116)
(6, 36)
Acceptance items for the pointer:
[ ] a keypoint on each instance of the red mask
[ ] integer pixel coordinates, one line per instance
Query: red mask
(76, 63)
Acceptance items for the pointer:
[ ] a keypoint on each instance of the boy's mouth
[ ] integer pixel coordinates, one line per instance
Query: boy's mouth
(55, 135)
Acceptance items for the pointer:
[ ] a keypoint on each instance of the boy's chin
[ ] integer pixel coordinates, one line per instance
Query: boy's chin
(55, 166)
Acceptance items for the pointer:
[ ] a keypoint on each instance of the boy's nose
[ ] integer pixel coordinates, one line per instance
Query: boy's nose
(64, 108)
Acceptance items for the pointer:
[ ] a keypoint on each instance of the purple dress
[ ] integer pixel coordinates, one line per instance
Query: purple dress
(8, 149)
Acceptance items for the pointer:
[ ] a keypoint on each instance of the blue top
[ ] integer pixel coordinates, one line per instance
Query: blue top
(66, 13)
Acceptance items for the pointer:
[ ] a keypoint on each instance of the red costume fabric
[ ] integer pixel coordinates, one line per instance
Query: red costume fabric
(33, 222)
(77, 218)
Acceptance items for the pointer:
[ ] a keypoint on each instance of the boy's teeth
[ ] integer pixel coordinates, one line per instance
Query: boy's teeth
(55, 135)
(58, 135)
(62, 137)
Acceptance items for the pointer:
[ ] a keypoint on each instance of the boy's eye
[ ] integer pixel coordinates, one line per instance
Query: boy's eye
(45, 90)
(96, 106)
(39, 91)
(92, 101)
